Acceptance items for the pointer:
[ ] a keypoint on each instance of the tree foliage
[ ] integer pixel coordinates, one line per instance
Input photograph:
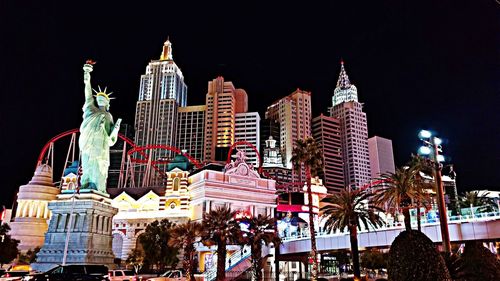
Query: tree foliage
(260, 232)
(413, 256)
(220, 228)
(154, 242)
(350, 209)
(472, 198)
(136, 259)
(29, 257)
(8, 246)
(308, 154)
(186, 235)
(403, 189)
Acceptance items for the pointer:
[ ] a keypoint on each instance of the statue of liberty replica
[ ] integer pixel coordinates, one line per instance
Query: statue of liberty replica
(97, 134)
(80, 227)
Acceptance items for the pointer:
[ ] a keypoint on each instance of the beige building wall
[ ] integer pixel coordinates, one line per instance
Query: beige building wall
(293, 112)
(223, 101)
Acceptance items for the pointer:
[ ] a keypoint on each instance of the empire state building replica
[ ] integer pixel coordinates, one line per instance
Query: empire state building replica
(162, 91)
(353, 130)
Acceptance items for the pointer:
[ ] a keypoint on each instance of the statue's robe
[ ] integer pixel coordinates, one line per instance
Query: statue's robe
(94, 145)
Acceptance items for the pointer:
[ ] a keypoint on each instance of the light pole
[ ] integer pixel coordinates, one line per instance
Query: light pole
(432, 148)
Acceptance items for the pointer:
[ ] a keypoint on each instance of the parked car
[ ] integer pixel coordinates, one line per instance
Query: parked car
(83, 272)
(16, 272)
(171, 275)
(122, 275)
(14, 275)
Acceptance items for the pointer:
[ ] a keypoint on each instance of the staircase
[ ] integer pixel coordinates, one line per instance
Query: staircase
(238, 262)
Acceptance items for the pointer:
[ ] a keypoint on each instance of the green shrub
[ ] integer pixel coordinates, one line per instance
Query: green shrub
(414, 257)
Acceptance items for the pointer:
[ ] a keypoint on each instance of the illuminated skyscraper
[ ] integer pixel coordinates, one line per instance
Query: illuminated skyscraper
(326, 132)
(293, 113)
(353, 131)
(162, 91)
(191, 130)
(223, 101)
(381, 156)
(247, 129)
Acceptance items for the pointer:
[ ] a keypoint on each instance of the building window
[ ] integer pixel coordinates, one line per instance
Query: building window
(176, 184)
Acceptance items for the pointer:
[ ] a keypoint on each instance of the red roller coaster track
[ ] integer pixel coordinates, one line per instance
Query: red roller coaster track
(141, 149)
(135, 148)
(70, 132)
(160, 146)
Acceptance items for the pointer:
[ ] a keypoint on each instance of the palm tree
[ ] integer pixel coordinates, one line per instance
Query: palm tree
(350, 209)
(472, 199)
(220, 228)
(185, 235)
(421, 166)
(400, 190)
(260, 232)
(308, 154)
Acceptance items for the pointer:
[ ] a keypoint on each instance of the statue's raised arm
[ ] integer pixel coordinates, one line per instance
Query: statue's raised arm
(87, 69)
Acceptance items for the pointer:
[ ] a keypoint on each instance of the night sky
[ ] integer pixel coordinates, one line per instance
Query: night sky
(416, 64)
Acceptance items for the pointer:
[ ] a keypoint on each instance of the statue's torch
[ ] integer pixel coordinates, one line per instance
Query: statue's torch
(88, 66)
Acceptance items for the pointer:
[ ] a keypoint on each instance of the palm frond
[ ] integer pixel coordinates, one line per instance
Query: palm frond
(347, 208)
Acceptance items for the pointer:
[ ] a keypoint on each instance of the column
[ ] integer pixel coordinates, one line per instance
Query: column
(99, 224)
(87, 221)
(75, 222)
(81, 221)
(31, 211)
(106, 225)
(54, 221)
(61, 227)
(94, 223)
(46, 211)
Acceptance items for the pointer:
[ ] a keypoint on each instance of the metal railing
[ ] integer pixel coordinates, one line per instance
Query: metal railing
(399, 225)
(231, 261)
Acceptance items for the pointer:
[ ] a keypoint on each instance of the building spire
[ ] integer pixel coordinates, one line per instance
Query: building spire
(343, 81)
(166, 53)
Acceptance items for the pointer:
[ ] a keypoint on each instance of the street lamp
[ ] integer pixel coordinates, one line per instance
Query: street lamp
(432, 148)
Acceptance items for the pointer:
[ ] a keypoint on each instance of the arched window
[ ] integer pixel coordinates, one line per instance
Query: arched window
(117, 245)
(176, 183)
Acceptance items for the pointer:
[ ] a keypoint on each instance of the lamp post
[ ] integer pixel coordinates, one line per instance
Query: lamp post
(432, 148)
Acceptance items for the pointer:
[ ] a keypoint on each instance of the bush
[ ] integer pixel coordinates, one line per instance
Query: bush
(414, 257)
(478, 263)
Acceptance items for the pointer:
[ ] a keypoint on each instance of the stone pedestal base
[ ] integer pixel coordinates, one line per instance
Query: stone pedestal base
(90, 231)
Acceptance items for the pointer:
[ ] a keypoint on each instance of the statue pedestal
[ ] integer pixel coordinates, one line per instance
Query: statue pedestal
(90, 231)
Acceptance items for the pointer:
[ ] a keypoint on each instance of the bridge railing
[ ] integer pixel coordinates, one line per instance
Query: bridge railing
(398, 225)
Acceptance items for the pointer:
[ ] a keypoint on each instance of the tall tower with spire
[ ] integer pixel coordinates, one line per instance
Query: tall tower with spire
(353, 131)
(162, 91)
(163, 79)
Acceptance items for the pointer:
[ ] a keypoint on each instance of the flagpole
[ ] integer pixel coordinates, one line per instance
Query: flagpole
(66, 243)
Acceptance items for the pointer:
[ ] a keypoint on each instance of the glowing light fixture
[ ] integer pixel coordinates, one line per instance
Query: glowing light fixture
(424, 150)
(440, 158)
(438, 141)
(424, 134)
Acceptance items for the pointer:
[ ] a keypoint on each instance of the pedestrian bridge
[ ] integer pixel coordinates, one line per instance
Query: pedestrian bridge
(485, 226)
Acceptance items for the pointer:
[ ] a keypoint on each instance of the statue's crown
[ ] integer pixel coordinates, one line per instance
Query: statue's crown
(102, 93)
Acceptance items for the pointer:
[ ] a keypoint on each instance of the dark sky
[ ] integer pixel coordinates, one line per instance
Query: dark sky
(416, 64)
